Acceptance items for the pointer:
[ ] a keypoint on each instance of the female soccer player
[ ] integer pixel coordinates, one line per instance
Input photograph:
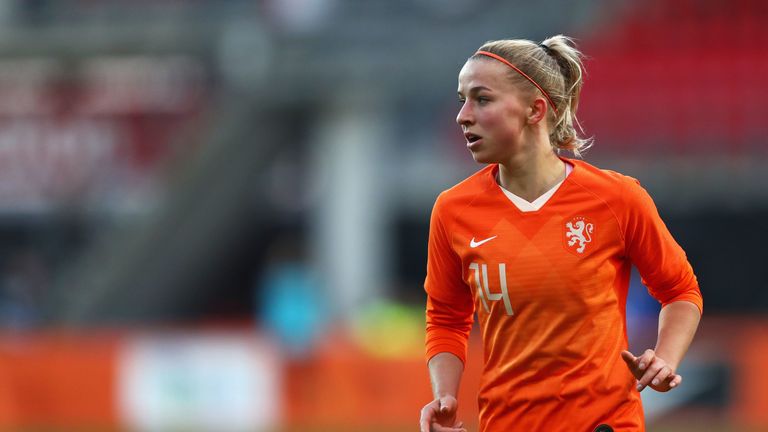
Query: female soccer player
(541, 247)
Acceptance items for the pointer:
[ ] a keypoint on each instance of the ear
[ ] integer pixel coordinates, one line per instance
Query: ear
(537, 111)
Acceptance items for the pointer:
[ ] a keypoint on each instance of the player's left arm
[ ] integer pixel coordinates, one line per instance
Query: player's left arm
(666, 272)
(678, 322)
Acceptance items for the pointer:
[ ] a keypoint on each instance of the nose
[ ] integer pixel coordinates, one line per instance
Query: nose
(465, 116)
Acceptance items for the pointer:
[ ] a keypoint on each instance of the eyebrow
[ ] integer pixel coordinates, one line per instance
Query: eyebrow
(476, 89)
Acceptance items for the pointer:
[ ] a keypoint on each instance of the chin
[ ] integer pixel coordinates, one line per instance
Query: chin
(479, 157)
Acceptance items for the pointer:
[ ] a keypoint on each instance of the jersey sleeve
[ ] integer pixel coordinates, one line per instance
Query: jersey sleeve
(449, 301)
(662, 263)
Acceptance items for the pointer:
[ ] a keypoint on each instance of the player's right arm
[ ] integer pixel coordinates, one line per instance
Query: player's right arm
(445, 371)
(449, 320)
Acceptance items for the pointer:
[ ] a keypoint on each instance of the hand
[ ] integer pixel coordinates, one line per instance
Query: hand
(440, 416)
(650, 369)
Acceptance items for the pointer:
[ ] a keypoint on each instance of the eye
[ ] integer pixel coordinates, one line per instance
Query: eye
(461, 101)
(482, 100)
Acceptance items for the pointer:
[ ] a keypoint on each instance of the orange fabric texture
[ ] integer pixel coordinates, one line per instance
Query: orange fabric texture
(549, 288)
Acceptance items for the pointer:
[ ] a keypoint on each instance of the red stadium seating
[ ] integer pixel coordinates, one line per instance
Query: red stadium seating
(673, 78)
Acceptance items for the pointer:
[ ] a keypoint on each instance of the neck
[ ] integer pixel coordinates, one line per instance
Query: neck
(530, 177)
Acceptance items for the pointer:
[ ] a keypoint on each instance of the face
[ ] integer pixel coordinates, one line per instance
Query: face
(494, 112)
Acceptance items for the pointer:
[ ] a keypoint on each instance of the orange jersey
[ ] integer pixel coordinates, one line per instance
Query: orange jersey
(549, 288)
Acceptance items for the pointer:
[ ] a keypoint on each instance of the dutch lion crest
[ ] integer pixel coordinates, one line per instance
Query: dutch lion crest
(578, 233)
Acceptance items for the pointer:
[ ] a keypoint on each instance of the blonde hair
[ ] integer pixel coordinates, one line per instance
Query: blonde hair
(556, 66)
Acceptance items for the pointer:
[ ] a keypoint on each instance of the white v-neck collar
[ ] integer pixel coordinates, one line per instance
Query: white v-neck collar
(527, 206)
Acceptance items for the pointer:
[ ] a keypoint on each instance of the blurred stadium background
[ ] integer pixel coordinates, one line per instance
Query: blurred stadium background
(214, 213)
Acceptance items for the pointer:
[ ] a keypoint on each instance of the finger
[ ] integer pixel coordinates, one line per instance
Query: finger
(438, 428)
(424, 424)
(632, 362)
(428, 415)
(650, 373)
(629, 359)
(430, 410)
(676, 381)
(662, 376)
(645, 359)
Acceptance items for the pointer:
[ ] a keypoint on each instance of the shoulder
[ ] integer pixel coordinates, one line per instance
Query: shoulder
(466, 191)
(604, 180)
(614, 188)
(623, 194)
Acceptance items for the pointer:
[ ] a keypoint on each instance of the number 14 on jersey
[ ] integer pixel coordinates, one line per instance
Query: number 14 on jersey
(485, 294)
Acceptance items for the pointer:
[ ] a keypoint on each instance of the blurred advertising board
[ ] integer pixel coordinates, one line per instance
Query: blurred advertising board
(198, 382)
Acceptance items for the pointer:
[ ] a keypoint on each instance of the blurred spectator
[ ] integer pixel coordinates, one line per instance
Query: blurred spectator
(292, 306)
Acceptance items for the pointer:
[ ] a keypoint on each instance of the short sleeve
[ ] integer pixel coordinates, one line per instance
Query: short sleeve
(662, 263)
(449, 301)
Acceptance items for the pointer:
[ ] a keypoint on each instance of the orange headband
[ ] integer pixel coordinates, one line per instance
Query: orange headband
(506, 62)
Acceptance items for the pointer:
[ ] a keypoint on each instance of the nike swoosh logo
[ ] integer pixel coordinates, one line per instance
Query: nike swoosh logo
(474, 244)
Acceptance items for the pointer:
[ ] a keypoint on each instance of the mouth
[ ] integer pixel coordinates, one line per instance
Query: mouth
(471, 138)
